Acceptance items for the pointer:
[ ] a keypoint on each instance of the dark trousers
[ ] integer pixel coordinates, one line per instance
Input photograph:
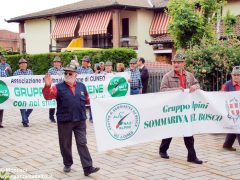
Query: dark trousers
(65, 130)
(1, 116)
(230, 138)
(90, 112)
(51, 113)
(189, 143)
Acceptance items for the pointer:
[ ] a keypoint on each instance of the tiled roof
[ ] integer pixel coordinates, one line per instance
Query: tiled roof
(86, 5)
(163, 38)
(154, 66)
(159, 3)
(5, 34)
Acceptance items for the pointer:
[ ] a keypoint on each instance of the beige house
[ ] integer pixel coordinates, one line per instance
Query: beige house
(233, 6)
(138, 24)
(98, 23)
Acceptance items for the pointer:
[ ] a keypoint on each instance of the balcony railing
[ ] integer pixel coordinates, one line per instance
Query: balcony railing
(130, 42)
(99, 41)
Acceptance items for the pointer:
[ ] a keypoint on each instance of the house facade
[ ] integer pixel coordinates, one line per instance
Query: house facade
(233, 6)
(99, 24)
(141, 25)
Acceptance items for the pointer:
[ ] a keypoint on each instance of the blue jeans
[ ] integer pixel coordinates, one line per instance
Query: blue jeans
(135, 91)
(25, 114)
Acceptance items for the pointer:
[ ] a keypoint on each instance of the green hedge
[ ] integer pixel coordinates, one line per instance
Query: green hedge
(40, 63)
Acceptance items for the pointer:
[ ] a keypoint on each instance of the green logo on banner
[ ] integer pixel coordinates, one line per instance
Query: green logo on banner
(117, 87)
(4, 92)
(122, 121)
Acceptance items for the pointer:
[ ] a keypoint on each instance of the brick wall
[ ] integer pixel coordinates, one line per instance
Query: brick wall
(9, 40)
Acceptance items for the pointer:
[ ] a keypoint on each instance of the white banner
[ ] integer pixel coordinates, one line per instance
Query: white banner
(23, 92)
(125, 121)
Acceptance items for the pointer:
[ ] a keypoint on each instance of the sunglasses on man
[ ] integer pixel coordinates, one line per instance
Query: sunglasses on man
(68, 73)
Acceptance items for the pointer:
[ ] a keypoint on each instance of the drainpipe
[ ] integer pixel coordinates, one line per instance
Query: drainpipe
(219, 17)
(50, 23)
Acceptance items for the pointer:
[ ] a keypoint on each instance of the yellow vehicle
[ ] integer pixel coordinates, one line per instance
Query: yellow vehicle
(77, 45)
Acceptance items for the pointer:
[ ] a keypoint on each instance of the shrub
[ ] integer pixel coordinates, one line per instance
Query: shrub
(40, 63)
(212, 63)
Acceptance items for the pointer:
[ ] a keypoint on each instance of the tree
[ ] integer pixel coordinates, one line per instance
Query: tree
(229, 23)
(191, 20)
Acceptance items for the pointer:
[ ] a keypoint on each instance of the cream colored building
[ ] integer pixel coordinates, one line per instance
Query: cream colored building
(99, 24)
(233, 6)
(103, 24)
(37, 36)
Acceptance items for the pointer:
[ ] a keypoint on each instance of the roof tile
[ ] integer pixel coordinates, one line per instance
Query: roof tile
(86, 5)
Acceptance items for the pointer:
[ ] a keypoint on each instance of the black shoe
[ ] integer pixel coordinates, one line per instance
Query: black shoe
(164, 155)
(25, 125)
(229, 148)
(91, 170)
(53, 120)
(1, 126)
(67, 169)
(196, 161)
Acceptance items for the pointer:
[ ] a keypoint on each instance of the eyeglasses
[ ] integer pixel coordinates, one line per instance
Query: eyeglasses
(236, 74)
(68, 73)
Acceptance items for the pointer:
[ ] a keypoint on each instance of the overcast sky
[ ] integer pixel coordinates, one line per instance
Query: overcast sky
(14, 8)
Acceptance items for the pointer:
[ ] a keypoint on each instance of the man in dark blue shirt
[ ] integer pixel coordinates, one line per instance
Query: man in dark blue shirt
(71, 99)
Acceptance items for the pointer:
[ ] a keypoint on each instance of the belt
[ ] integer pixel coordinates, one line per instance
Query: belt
(135, 88)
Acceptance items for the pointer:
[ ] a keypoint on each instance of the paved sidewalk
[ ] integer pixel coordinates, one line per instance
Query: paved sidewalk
(26, 152)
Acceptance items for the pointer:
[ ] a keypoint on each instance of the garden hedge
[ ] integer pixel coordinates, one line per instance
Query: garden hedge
(40, 63)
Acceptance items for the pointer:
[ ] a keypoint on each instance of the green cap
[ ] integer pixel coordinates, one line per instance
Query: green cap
(133, 61)
(57, 59)
(71, 67)
(86, 58)
(22, 60)
(179, 57)
(108, 63)
(3, 58)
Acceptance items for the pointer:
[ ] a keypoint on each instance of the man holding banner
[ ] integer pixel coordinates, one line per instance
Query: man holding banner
(179, 79)
(232, 85)
(4, 66)
(2, 74)
(57, 69)
(135, 81)
(86, 69)
(23, 64)
(71, 97)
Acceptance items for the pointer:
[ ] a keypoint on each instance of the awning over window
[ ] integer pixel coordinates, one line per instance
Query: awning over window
(95, 23)
(159, 24)
(65, 27)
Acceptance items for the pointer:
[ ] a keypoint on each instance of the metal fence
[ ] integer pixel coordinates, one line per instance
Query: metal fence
(213, 83)
(154, 81)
